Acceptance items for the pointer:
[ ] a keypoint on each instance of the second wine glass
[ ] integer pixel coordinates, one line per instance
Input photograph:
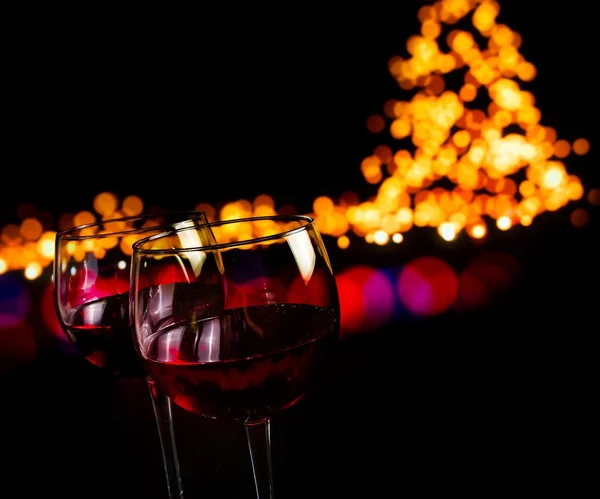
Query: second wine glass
(235, 320)
(91, 291)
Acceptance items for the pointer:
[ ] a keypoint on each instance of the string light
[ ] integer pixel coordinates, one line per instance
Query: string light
(485, 139)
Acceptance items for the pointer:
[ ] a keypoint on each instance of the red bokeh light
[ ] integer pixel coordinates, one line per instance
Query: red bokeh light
(314, 292)
(427, 286)
(487, 277)
(48, 312)
(351, 305)
(18, 345)
(377, 294)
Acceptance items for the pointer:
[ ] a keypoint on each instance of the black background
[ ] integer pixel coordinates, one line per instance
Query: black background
(189, 108)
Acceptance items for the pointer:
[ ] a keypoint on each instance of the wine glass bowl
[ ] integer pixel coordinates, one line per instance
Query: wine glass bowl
(235, 319)
(91, 279)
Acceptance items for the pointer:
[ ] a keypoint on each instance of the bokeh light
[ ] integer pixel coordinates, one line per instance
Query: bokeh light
(485, 137)
(352, 311)
(487, 278)
(427, 286)
(18, 345)
(424, 287)
(15, 300)
(377, 299)
(48, 312)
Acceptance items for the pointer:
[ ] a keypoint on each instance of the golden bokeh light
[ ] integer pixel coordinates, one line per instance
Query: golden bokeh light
(105, 203)
(33, 270)
(132, 206)
(397, 238)
(30, 248)
(84, 218)
(343, 242)
(31, 229)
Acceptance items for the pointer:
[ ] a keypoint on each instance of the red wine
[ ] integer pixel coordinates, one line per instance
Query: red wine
(249, 362)
(101, 332)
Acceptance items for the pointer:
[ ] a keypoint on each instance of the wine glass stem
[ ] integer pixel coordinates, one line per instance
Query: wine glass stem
(258, 434)
(166, 434)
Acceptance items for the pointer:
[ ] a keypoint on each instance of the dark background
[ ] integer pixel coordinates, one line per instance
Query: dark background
(202, 108)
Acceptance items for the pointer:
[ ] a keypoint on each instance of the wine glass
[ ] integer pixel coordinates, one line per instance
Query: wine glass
(236, 320)
(91, 295)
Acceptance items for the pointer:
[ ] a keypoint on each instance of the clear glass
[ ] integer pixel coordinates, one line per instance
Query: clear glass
(236, 320)
(91, 291)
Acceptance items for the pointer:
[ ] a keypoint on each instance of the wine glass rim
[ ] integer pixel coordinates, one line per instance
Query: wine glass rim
(70, 234)
(139, 249)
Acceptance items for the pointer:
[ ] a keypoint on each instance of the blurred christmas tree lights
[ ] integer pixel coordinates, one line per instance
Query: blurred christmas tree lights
(459, 159)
